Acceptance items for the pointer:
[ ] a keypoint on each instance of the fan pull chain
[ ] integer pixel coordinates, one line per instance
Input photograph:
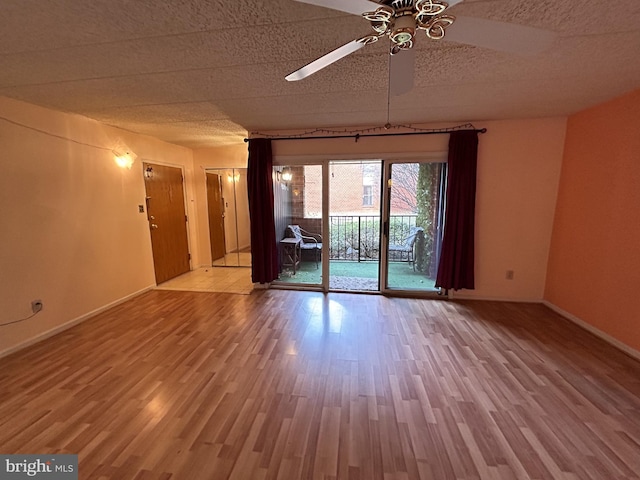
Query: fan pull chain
(387, 126)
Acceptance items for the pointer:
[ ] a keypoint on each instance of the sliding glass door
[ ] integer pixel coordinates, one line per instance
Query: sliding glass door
(359, 225)
(413, 224)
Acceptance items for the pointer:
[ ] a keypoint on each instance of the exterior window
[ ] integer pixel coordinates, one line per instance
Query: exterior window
(367, 195)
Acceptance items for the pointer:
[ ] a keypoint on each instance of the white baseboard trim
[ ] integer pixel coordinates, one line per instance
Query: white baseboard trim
(597, 332)
(461, 296)
(71, 323)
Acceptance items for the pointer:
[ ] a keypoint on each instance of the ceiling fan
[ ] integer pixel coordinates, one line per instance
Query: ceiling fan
(401, 20)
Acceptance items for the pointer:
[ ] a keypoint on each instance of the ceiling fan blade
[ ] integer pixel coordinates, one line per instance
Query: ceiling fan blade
(453, 2)
(356, 7)
(401, 67)
(501, 36)
(325, 60)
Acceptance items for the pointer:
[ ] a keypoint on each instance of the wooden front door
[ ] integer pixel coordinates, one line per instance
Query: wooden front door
(216, 216)
(167, 220)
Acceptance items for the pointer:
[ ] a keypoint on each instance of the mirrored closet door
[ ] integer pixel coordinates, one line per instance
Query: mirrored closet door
(228, 207)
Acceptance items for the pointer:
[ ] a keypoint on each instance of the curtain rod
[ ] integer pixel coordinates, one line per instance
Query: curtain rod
(358, 136)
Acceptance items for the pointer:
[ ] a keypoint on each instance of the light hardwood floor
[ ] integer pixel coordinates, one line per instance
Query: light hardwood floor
(301, 385)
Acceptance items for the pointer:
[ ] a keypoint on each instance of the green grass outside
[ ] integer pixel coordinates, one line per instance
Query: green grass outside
(401, 275)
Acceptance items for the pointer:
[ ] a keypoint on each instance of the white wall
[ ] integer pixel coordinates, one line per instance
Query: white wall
(519, 166)
(71, 232)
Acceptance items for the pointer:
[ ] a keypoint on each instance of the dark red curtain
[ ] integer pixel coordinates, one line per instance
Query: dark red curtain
(456, 267)
(264, 253)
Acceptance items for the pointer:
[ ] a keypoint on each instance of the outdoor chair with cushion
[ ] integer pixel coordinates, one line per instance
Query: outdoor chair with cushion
(308, 241)
(408, 246)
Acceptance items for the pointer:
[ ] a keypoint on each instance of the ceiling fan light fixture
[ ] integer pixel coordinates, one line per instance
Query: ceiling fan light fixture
(380, 19)
(380, 27)
(403, 29)
(436, 29)
(395, 49)
(381, 14)
(430, 7)
(368, 39)
(402, 36)
(399, 19)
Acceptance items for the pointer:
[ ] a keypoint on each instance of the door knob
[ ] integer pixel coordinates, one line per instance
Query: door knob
(152, 217)
(154, 226)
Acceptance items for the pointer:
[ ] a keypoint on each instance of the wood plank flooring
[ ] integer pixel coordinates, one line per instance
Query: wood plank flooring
(300, 385)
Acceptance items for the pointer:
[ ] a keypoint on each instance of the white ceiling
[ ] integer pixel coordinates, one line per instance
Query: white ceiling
(202, 73)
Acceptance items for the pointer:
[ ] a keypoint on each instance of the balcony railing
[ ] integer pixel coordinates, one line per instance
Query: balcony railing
(357, 237)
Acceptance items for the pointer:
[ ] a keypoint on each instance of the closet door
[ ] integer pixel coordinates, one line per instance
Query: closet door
(216, 216)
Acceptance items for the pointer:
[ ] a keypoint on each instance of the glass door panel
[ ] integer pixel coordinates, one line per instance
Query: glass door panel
(416, 208)
(298, 221)
(354, 225)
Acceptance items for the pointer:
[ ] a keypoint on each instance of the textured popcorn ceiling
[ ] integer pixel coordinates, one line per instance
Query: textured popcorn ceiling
(203, 73)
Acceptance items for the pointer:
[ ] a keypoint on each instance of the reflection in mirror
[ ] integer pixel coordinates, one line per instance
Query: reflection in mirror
(228, 208)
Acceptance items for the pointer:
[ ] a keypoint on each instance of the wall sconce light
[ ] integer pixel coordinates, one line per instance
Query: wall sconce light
(287, 175)
(124, 160)
(148, 172)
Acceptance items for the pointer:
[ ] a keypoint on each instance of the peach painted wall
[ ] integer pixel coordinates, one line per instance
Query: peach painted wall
(519, 165)
(594, 266)
(70, 233)
(518, 173)
(230, 156)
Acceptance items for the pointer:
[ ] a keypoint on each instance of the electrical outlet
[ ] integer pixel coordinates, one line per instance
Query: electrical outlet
(509, 275)
(36, 306)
